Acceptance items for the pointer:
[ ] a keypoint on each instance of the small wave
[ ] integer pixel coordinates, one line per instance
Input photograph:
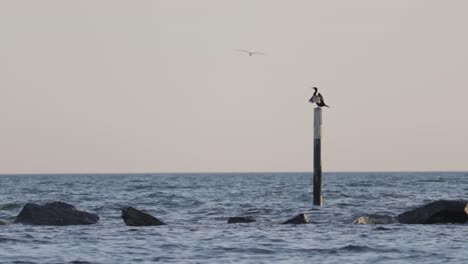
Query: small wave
(361, 184)
(162, 259)
(433, 180)
(355, 249)
(443, 235)
(10, 206)
(172, 246)
(171, 201)
(138, 187)
(245, 250)
(393, 195)
(381, 228)
(213, 211)
(259, 211)
(343, 204)
(157, 195)
(359, 249)
(7, 239)
(25, 239)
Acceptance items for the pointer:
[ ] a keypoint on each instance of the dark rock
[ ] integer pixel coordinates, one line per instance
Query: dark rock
(374, 219)
(439, 212)
(134, 217)
(298, 219)
(55, 213)
(2, 223)
(240, 219)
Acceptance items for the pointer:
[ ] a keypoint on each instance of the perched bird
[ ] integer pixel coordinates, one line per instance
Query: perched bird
(317, 98)
(314, 97)
(251, 52)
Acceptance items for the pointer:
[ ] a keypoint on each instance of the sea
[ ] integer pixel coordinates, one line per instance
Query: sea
(196, 207)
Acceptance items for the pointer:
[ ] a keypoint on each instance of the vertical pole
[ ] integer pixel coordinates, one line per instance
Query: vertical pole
(317, 156)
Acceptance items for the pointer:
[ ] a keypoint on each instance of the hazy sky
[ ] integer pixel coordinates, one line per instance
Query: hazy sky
(155, 86)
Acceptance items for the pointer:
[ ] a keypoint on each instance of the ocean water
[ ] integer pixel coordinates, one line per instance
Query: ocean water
(196, 208)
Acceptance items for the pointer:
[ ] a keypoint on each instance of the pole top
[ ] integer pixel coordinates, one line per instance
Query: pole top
(317, 117)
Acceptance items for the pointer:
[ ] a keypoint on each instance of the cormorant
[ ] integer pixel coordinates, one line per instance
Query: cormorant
(314, 97)
(317, 98)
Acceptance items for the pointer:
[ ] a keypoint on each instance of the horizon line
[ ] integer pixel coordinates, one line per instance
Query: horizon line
(228, 172)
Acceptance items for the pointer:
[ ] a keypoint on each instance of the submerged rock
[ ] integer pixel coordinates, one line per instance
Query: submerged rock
(55, 213)
(298, 219)
(240, 219)
(134, 217)
(374, 219)
(439, 212)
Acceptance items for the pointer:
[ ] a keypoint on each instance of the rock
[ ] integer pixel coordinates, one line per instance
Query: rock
(298, 219)
(240, 219)
(2, 223)
(374, 219)
(134, 217)
(55, 213)
(438, 212)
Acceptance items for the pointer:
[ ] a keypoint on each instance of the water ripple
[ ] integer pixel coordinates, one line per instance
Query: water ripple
(196, 208)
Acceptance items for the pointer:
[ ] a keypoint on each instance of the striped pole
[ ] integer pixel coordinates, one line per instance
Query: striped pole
(317, 156)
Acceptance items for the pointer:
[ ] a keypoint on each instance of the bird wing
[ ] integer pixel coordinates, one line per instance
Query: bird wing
(250, 52)
(320, 98)
(313, 99)
(322, 102)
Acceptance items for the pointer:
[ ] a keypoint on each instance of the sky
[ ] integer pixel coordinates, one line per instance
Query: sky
(157, 86)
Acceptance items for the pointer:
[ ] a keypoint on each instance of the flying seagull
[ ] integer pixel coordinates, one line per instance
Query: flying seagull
(317, 98)
(251, 52)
